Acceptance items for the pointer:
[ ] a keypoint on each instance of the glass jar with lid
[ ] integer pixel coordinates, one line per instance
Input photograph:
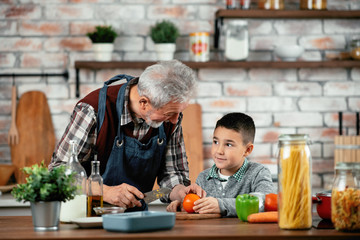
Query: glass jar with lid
(271, 4)
(294, 182)
(345, 197)
(237, 40)
(355, 49)
(313, 4)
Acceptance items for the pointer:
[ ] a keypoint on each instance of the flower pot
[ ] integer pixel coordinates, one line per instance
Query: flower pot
(45, 215)
(103, 51)
(165, 51)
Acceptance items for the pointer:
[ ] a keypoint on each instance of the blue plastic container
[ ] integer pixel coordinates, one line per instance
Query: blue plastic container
(139, 221)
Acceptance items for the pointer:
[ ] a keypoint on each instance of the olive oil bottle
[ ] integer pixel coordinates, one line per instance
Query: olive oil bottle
(95, 188)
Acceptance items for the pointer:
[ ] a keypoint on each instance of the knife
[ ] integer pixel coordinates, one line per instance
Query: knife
(155, 194)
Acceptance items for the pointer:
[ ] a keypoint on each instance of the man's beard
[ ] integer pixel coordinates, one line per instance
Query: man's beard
(154, 124)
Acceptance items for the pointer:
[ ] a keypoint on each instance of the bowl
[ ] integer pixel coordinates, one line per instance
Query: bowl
(289, 52)
(6, 171)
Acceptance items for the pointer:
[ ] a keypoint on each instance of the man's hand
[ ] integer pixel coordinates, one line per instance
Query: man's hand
(207, 205)
(123, 195)
(180, 191)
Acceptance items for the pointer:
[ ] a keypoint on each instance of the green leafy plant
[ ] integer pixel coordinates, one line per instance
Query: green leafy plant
(164, 32)
(102, 34)
(44, 185)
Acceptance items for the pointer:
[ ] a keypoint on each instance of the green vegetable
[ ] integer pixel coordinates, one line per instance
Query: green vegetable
(44, 185)
(164, 32)
(103, 34)
(246, 205)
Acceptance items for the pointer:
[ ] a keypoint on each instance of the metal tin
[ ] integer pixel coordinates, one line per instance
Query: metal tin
(199, 47)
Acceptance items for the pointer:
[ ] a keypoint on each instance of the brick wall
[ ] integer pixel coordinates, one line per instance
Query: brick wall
(48, 36)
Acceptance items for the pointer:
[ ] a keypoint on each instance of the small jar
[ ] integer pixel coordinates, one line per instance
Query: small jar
(271, 4)
(313, 4)
(199, 47)
(237, 40)
(345, 197)
(294, 182)
(355, 49)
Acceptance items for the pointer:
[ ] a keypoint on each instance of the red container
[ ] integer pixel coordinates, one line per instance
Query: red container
(323, 201)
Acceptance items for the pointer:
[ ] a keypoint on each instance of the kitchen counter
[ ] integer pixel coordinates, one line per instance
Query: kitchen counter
(16, 227)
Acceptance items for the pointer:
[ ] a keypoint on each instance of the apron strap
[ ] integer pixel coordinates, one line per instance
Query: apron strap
(102, 98)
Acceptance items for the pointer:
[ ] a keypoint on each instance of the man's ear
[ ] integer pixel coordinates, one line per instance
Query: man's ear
(249, 149)
(144, 103)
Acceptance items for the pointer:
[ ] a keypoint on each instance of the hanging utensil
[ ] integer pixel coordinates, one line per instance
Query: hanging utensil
(13, 135)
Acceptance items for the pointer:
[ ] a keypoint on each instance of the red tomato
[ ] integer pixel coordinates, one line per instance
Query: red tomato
(271, 202)
(188, 202)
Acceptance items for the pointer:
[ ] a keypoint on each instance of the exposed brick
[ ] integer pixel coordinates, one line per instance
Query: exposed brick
(273, 75)
(140, 56)
(58, 91)
(32, 28)
(261, 119)
(25, 11)
(222, 104)
(70, 44)
(261, 150)
(323, 42)
(188, 26)
(297, 89)
(260, 27)
(129, 44)
(271, 104)
(323, 74)
(208, 135)
(119, 11)
(341, 89)
(83, 27)
(8, 28)
(209, 90)
(68, 12)
(5, 154)
(322, 104)
(354, 104)
(322, 165)
(171, 11)
(355, 74)
(20, 44)
(61, 106)
(50, 60)
(298, 27)
(7, 60)
(332, 119)
(209, 120)
(223, 75)
(207, 12)
(247, 89)
(271, 135)
(269, 42)
(5, 107)
(339, 26)
(260, 56)
(329, 149)
(5, 91)
(297, 119)
(320, 134)
(311, 56)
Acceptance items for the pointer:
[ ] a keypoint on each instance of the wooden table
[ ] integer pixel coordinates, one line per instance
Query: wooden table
(16, 227)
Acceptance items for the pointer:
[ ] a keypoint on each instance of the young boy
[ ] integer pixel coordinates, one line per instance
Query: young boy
(232, 174)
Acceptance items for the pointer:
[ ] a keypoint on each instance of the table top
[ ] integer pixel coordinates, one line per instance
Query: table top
(20, 227)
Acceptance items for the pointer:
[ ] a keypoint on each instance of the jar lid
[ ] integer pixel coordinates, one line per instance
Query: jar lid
(348, 166)
(238, 22)
(301, 138)
(199, 34)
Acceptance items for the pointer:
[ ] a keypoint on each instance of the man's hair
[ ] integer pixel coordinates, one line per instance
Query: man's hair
(167, 81)
(240, 123)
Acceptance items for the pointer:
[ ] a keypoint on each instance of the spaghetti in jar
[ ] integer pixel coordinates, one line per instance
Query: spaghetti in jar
(294, 182)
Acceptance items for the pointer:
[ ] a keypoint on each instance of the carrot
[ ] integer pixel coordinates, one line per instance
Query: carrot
(263, 217)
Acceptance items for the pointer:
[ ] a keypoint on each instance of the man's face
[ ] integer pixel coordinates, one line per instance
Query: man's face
(170, 112)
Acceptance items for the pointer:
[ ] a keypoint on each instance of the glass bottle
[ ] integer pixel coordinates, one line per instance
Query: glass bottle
(294, 182)
(345, 197)
(237, 40)
(271, 4)
(355, 49)
(95, 188)
(75, 208)
(313, 4)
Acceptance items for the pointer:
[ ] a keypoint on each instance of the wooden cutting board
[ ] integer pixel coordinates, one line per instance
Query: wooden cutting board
(195, 216)
(36, 133)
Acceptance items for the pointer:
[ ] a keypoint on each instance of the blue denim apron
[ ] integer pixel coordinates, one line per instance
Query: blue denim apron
(131, 161)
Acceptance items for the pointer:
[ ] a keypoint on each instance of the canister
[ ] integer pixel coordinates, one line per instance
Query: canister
(294, 182)
(345, 197)
(237, 40)
(199, 47)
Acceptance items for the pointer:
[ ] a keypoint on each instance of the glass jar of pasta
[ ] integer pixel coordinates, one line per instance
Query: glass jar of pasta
(294, 182)
(345, 197)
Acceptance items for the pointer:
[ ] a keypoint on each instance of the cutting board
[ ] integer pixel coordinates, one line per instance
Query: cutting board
(36, 133)
(196, 216)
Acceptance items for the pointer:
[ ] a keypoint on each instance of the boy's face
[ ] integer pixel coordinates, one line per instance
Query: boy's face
(228, 150)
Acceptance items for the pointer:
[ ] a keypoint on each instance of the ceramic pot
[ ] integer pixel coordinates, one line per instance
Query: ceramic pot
(45, 215)
(323, 201)
(103, 51)
(165, 51)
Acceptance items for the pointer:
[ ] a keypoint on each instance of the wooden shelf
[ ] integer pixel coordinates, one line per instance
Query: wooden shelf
(322, 14)
(213, 64)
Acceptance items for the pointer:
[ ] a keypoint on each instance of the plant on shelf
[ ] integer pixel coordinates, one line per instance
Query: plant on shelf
(164, 35)
(103, 42)
(45, 190)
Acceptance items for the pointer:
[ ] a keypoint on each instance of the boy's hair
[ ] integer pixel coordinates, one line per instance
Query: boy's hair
(239, 122)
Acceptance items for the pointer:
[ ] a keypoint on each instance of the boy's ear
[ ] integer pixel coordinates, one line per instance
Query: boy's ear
(249, 149)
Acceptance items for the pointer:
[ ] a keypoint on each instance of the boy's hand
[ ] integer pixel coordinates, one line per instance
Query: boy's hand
(174, 206)
(207, 205)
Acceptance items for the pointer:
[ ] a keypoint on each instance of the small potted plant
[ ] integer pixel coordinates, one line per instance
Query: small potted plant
(45, 190)
(164, 35)
(103, 42)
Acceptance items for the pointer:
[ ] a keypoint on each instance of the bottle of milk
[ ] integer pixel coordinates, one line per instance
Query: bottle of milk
(75, 208)
(237, 40)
